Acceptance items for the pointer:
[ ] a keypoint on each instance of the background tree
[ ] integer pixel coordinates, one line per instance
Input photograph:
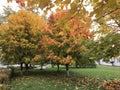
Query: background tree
(108, 18)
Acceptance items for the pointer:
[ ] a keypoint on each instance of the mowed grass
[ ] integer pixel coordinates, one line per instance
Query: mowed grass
(79, 79)
(101, 71)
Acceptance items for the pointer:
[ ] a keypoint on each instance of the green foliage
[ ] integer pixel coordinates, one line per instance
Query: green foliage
(107, 16)
(107, 47)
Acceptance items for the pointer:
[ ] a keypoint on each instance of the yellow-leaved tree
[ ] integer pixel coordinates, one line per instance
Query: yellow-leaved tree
(20, 36)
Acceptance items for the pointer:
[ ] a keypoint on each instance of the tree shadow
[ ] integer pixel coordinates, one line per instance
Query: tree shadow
(38, 72)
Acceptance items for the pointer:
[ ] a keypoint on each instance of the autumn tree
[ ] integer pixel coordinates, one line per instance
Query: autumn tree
(69, 37)
(107, 16)
(104, 11)
(20, 37)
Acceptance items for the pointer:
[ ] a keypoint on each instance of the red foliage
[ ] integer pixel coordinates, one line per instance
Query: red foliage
(17, 1)
(20, 2)
(68, 31)
(56, 16)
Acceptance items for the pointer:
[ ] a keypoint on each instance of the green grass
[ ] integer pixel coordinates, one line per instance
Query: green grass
(79, 79)
(102, 72)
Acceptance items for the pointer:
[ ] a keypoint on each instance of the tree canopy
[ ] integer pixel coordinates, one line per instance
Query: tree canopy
(19, 37)
(69, 29)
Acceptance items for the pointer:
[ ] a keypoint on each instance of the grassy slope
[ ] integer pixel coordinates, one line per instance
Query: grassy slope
(80, 79)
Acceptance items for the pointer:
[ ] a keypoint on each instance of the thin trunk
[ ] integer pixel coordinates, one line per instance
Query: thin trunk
(30, 65)
(41, 67)
(58, 66)
(21, 68)
(67, 70)
(76, 64)
(52, 65)
(26, 66)
(112, 64)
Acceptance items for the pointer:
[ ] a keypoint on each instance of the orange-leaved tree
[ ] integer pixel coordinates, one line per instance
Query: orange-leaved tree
(68, 35)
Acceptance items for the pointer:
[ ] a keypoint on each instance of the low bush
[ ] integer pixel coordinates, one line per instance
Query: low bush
(87, 65)
(3, 87)
(5, 75)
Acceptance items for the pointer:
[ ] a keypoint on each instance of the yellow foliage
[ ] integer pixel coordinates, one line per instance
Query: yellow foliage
(21, 35)
(24, 19)
(9, 0)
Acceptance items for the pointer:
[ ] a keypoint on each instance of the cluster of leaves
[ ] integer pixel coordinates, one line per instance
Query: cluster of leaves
(109, 46)
(110, 85)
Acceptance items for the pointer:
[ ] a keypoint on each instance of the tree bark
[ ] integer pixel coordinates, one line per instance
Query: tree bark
(41, 67)
(76, 64)
(67, 70)
(58, 67)
(26, 66)
(30, 66)
(21, 69)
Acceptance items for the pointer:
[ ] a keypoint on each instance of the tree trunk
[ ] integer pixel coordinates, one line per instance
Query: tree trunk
(41, 67)
(99, 63)
(30, 66)
(67, 70)
(76, 64)
(112, 62)
(52, 65)
(58, 66)
(26, 66)
(21, 68)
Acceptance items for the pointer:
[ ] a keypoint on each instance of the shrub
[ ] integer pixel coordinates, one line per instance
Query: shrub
(110, 85)
(3, 87)
(87, 65)
(11, 71)
(4, 75)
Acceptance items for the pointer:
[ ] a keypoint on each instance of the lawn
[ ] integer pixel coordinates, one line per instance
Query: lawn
(79, 79)
(102, 72)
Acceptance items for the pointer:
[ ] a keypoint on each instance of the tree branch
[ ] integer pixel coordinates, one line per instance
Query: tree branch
(106, 14)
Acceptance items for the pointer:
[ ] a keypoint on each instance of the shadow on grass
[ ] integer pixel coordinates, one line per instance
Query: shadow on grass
(49, 77)
(51, 72)
(38, 72)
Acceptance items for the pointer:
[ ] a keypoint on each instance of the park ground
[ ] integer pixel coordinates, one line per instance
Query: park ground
(51, 79)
